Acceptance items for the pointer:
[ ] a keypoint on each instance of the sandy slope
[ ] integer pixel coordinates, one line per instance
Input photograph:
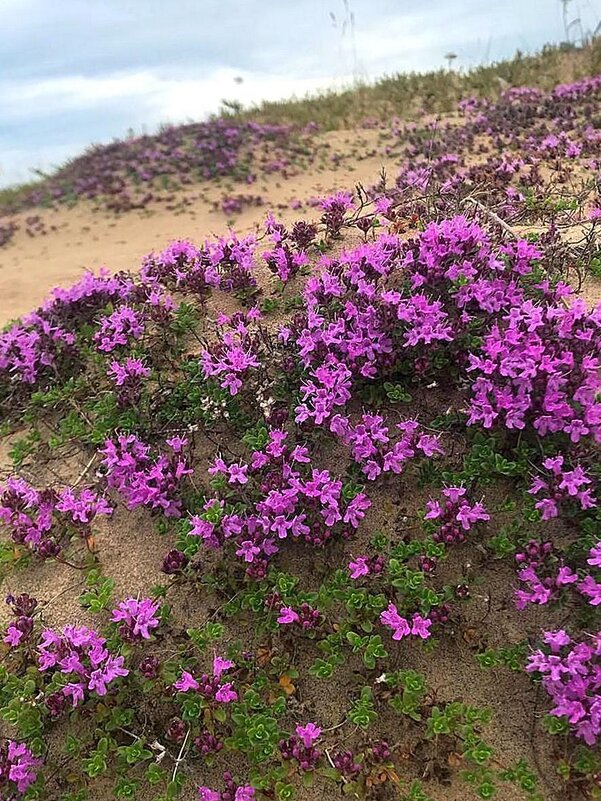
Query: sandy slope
(84, 238)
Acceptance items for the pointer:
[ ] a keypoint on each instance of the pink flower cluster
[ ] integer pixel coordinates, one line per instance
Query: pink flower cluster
(571, 672)
(288, 254)
(358, 336)
(328, 386)
(39, 518)
(439, 165)
(235, 353)
(454, 261)
(242, 792)
(137, 618)
(540, 590)
(224, 263)
(127, 377)
(401, 627)
(370, 443)
(82, 506)
(558, 145)
(540, 366)
(210, 687)
(306, 617)
(83, 299)
(456, 515)
(18, 769)
(301, 746)
(128, 372)
(392, 304)
(119, 328)
(543, 580)
(289, 499)
(143, 479)
(28, 350)
(562, 485)
(80, 654)
(334, 209)
(20, 629)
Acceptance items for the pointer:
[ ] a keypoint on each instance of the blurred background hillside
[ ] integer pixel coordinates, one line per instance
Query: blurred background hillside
(82, 72)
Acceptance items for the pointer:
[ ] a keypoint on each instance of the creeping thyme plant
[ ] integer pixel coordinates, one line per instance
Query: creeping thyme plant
(315, 512)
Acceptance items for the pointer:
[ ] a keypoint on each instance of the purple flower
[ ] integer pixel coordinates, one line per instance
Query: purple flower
(149, 667)
(571, 678)
(392, 620)
(355, 511)
(420, 626)
(221, 665)
(237, 474)
(82, 652)
(186, 682)
(21, 629)
(245, 793)
(13, 636)
(565, 575)
(595, 556)
(174, 562)
(556, 640)
(206, 794)
(226, 693)
(346, 764)
(308, 733)
(358, 568)
(18, 768)
(137, 617)
(591, 589)
(248, 550)
(75, 691)
(287, 615)
(177, 444)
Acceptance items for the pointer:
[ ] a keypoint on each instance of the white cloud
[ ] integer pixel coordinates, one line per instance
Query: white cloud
(39, 97)
(181, 99)
(18, 164)
(167, 98)
(152, 99)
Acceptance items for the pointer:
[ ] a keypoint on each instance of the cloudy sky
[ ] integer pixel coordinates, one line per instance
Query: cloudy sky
(73, 72)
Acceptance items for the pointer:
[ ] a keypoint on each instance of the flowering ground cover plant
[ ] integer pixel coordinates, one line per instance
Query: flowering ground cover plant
(314, 512)
(127, 174)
